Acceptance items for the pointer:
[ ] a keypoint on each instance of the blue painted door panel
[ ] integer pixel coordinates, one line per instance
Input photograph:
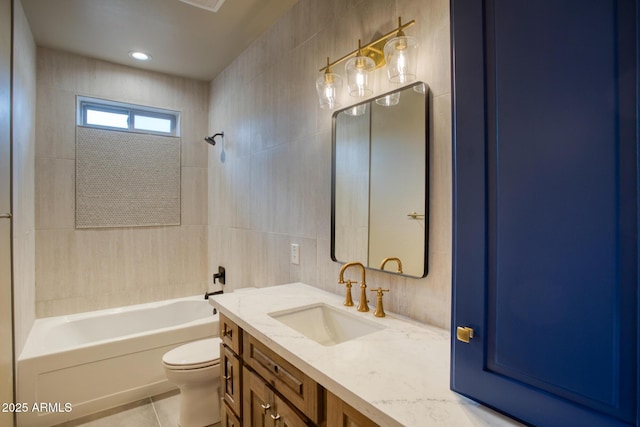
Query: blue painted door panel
(545, 208)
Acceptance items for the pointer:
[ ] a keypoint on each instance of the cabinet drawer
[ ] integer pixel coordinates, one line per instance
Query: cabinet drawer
(227, 417)
(231, 334)
(230, 380)
(304, 393)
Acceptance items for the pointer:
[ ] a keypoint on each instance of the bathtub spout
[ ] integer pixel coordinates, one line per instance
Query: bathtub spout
(208, 294)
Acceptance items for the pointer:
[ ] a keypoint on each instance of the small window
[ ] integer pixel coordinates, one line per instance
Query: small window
(101, 113)
(107, 118)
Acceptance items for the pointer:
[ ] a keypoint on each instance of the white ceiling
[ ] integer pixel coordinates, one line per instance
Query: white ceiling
(182, 39)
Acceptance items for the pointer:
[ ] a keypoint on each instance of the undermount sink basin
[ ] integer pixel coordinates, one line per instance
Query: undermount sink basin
(324, 324)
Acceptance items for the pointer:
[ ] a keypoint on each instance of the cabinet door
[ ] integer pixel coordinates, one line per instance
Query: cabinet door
(545, 208)
(286, 416)
(340, 414)
(231, 380)
(257, 400)
(263, 408)
(228, 418)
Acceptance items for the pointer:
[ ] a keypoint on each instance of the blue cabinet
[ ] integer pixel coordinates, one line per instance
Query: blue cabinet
(545, 268)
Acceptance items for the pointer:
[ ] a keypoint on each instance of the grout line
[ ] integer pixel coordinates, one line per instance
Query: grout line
(153, 406)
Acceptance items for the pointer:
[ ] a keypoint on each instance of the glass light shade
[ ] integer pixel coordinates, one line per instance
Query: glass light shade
(389, 100)
(328, 87)
(420, 88)
(357, 110)
(401, 54)
(359, 76)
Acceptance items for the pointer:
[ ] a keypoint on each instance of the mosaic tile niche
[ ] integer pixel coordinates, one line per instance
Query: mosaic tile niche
(126, 179)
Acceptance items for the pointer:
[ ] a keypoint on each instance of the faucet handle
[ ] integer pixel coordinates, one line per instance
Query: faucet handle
(348, 300)
(379, 309)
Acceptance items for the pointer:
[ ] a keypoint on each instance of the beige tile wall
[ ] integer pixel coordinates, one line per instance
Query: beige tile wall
(81, 270)
(273, 187)
(24, 96)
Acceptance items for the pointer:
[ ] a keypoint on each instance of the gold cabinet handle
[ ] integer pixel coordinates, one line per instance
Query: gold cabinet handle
(6, 216)
(464, 334)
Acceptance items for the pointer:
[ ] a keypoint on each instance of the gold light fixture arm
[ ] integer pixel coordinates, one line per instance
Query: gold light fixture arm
(374, 50)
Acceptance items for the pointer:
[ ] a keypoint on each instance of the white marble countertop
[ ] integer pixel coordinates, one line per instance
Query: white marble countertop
(398, 376)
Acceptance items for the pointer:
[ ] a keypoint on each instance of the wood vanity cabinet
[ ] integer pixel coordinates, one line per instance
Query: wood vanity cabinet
(230, 334)
(231, 380)
(264, 408)
(262, 389)
(303, 393)
(228, 418)
(230, 372)
(341, 414)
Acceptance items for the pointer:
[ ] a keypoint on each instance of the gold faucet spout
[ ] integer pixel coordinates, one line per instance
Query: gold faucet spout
(386, 260)
(362, 305)
(346, 266)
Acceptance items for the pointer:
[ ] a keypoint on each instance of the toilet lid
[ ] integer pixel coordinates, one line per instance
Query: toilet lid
(200, 352)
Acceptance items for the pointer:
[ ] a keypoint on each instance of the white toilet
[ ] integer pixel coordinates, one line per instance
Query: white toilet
(195, 369)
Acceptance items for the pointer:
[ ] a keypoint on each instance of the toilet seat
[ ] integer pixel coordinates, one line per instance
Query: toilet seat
(194, 355)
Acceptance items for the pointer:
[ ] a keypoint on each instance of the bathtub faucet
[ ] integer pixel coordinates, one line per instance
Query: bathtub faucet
(208, 294)
(220, 275)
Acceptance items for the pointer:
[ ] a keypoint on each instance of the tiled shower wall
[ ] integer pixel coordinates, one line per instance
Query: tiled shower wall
(89, 269)
(24, 117)
(270, 183)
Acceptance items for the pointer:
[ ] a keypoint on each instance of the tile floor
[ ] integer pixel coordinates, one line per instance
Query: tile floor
(157, 411)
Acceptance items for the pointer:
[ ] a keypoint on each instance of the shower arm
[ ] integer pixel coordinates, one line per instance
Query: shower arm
(212, 139)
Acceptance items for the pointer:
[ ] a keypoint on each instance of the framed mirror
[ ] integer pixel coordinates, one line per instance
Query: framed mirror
(380, 185)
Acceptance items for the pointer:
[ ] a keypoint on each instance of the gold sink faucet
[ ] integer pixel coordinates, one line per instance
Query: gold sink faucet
(386, 260)
(362, 306)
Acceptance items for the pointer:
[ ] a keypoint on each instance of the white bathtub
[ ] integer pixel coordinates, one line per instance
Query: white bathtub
(84, 363)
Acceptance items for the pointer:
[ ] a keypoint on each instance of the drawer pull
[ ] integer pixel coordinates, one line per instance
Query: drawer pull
(226, 377)
(265, 407)
(464, 334)
(227, 333)
(275, 417)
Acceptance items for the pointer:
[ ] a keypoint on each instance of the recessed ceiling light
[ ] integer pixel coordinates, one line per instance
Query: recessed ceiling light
(212, 5)
(140, 56)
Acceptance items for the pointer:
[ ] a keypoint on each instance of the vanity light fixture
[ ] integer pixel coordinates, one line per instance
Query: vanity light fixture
(359, 74)
(395, 49)
(328, 85)
(401, 54)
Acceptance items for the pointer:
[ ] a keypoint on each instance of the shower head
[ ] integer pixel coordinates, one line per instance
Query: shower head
(212, 139)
